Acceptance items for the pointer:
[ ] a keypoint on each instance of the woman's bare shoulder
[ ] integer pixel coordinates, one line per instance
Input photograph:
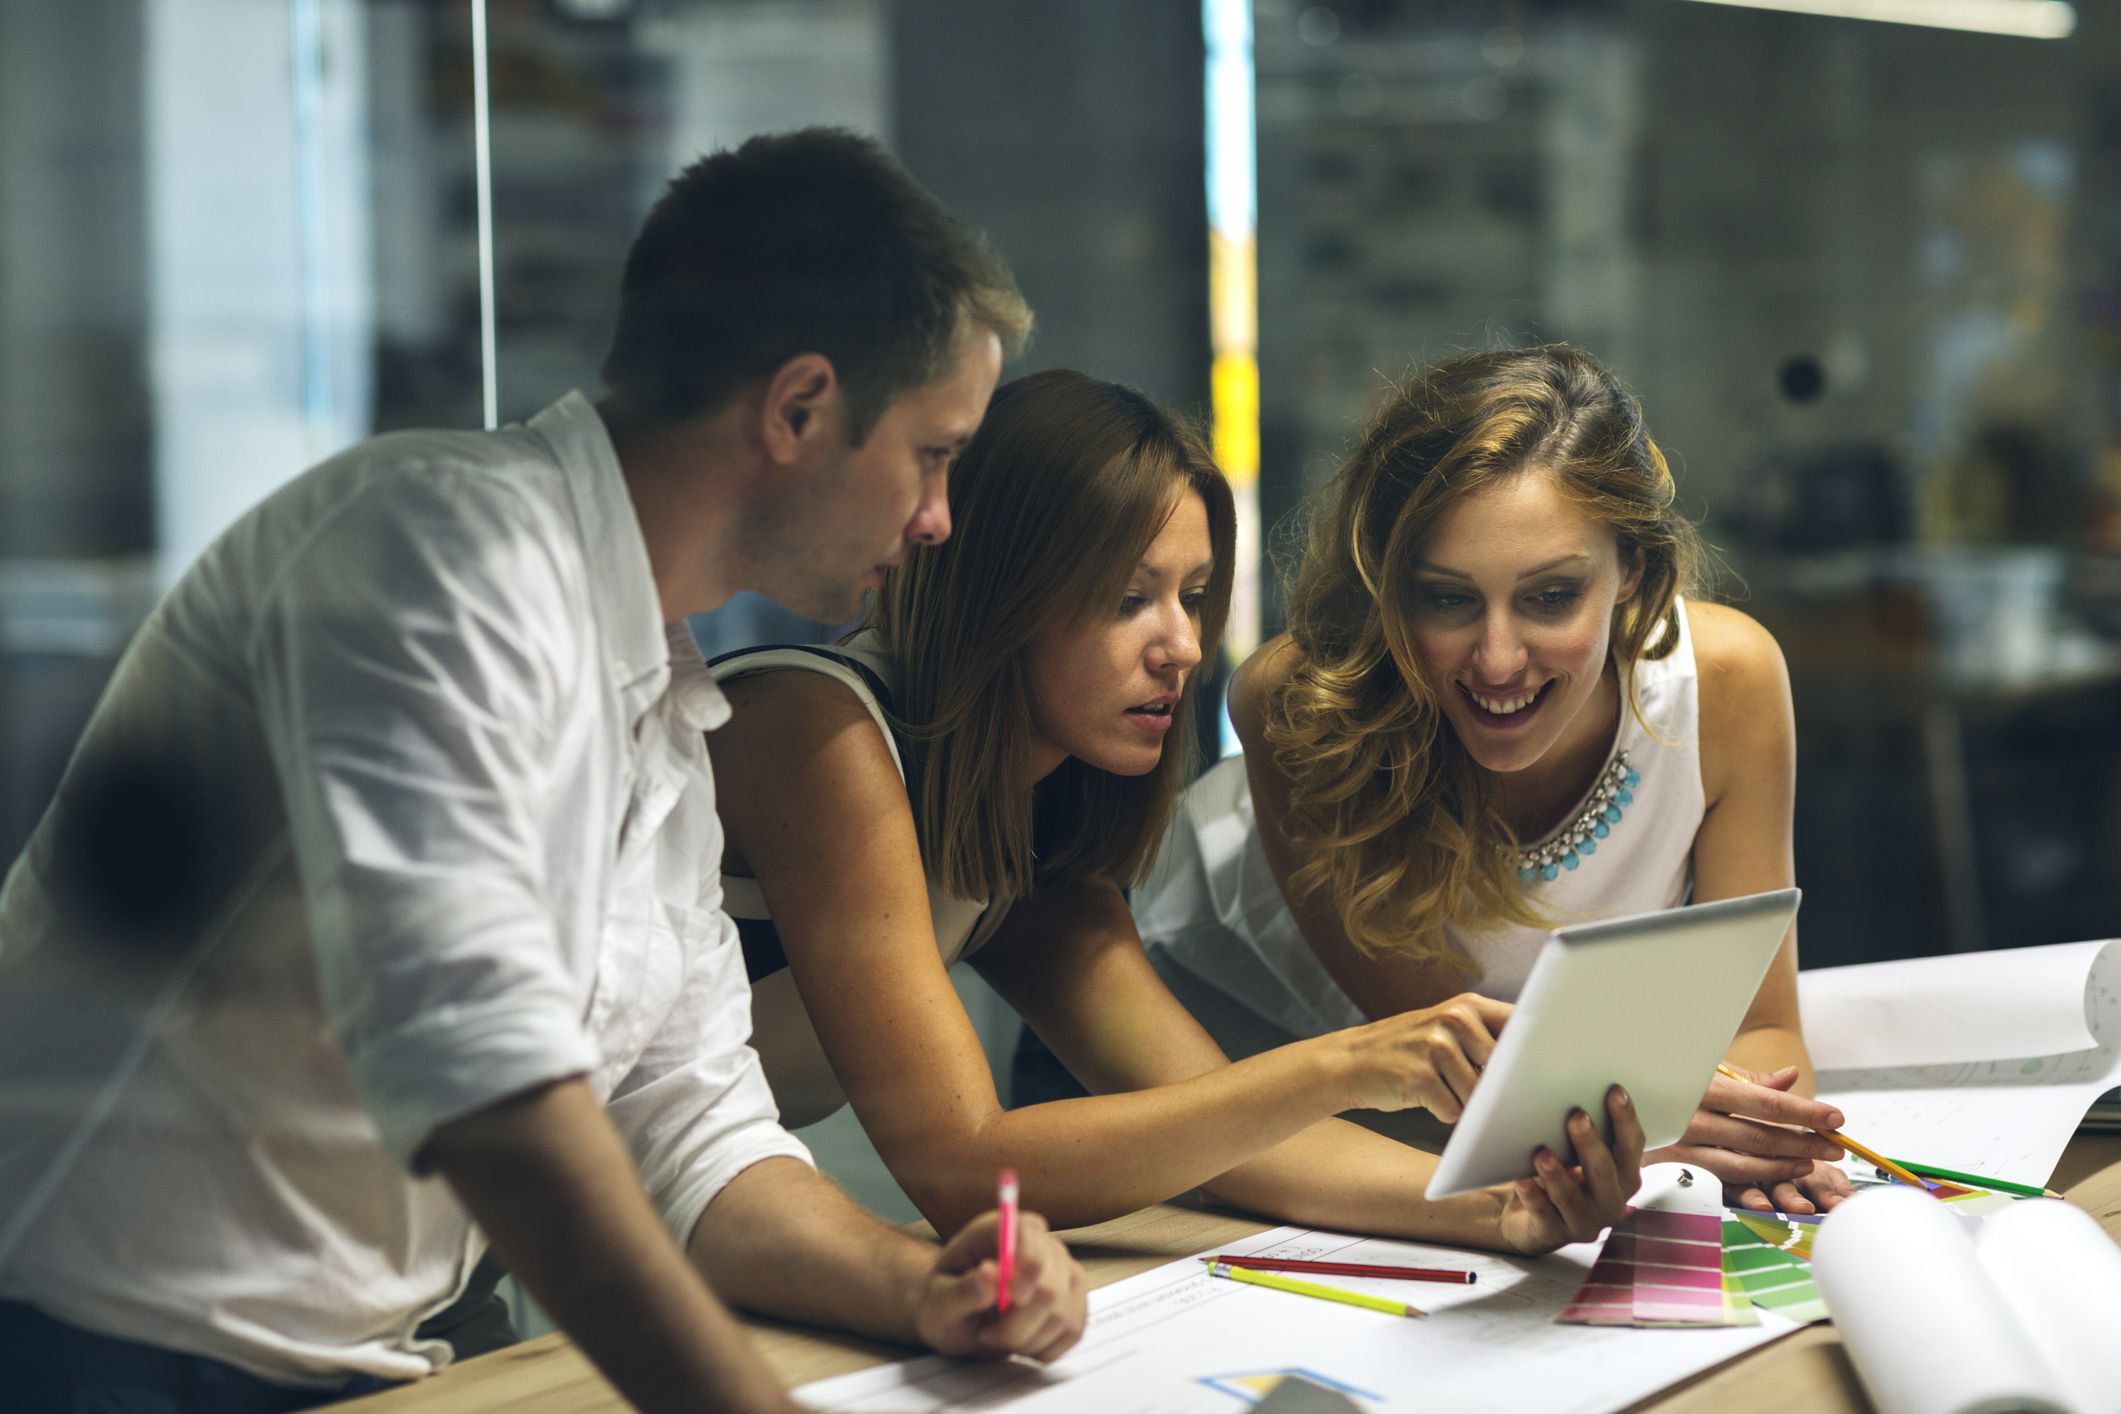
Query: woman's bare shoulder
(788, 688)
(800, 746)
(792, 714)
(1746, 714)
(1732, 649)
(1256, 681)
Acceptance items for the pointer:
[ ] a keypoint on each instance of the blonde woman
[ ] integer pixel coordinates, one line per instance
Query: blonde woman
(976, 775)
(1495, 712)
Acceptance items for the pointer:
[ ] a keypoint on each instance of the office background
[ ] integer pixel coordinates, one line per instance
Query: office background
(1865, 276)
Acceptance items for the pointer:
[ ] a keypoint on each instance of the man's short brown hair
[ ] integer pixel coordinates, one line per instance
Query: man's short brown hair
(805, 242)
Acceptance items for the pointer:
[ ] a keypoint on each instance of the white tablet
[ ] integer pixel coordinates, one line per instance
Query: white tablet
(1649, 1002)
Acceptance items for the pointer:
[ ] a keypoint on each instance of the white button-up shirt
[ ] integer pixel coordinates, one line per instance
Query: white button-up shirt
(437, 777)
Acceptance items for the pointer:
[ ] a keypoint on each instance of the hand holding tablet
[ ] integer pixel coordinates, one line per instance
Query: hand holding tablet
(1575, 1198)
(1648, 1003)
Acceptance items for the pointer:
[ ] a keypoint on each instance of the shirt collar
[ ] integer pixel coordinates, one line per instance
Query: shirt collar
(694, 697)
(622, 592)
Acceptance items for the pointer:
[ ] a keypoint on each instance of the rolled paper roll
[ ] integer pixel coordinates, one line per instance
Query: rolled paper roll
(1924, 1325)
(2060, 1275)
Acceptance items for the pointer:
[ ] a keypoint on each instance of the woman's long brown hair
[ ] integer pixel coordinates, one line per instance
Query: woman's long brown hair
(1054, 500)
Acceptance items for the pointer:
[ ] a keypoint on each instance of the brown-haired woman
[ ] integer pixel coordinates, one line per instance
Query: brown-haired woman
(1035, 678)
(1495, 712)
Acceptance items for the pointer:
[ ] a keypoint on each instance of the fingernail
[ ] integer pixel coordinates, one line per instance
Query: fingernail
(1621, 1094)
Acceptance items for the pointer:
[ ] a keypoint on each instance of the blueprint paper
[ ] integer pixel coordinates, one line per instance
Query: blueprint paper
(1962, 1007)
(2006, 1097)
(1926, 1330)
(1175, 1341)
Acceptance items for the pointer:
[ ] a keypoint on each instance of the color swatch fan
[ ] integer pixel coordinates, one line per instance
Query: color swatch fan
(1661, 1269)
(1663, 1264)
(1769, 1257)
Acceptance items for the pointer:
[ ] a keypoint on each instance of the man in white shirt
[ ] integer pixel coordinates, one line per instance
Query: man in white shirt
(378, 913)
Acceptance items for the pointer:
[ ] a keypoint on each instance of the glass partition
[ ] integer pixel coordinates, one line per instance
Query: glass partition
(1865, 277)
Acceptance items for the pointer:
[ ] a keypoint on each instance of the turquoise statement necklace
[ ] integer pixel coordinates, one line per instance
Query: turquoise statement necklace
(1566, 847)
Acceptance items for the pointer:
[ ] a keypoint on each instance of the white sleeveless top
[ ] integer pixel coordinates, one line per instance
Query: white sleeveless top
(788, 1047)
(1213, 907)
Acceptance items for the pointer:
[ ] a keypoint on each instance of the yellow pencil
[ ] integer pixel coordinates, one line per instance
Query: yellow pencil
(1868, 1155)
(1312, 1288)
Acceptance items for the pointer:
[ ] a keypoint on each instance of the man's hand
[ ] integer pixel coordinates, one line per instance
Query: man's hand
(1764, 1143)
(1049, 1299)
(1573, 1203)
(782, 1240)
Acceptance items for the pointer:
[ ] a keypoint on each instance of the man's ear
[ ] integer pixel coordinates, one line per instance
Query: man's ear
(800, 402)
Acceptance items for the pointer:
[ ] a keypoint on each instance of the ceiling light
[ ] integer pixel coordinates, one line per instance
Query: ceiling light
(2026, 19)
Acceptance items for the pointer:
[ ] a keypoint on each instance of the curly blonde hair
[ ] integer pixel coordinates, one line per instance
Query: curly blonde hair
(1395, 822)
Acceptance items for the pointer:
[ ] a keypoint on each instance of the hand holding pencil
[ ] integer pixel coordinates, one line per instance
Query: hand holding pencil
(1836, 1136)
(960, 1309)
(1770, 1148)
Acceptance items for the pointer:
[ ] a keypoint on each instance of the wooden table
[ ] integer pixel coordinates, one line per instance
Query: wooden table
(1807, 1370)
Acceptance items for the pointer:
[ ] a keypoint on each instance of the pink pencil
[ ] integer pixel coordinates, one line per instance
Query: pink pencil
(1005, 1260)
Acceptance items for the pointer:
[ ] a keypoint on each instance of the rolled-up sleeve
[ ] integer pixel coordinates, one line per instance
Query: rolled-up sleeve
(695, 1109)
(413, 669)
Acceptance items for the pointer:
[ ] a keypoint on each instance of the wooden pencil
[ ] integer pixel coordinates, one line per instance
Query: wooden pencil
(1311, 1288)
(1346, 1269)
(1975, 1180)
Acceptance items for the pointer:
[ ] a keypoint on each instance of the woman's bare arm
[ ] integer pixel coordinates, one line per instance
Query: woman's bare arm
(1074, 968)
(815, 810)
(1748, 741)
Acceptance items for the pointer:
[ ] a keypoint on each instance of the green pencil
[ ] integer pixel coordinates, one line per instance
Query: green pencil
(1312, 1288)
(1999, 1185)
